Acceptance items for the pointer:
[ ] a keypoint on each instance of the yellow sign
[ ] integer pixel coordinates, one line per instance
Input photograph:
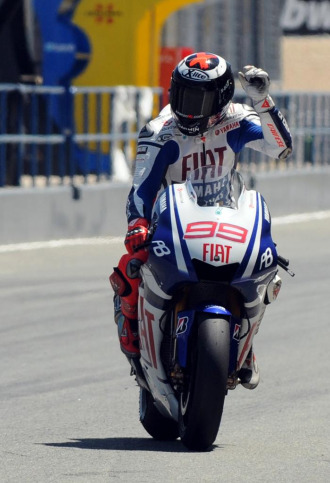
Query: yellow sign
(125, 39)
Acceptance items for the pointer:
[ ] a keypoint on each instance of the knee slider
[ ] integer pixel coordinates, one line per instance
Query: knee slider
(126, 276)
(125, 281)
(130, 265)
(119, 283)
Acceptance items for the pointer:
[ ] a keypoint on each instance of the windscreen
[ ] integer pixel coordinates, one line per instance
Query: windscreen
(212, 185)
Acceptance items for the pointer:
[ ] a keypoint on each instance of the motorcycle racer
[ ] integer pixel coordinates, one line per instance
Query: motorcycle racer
(200, 126)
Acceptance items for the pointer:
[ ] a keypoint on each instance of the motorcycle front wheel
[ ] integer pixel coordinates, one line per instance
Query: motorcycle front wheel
(157, 425)
(202, 400)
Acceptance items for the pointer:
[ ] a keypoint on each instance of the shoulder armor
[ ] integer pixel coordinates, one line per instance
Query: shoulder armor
(154, 127)
(146, 132)
(163, 126)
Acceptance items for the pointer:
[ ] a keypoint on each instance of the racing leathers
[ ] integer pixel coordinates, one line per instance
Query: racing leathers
(166, 156)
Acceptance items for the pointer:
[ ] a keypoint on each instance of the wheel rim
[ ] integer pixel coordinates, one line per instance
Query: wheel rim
(143, 402)
(185, 396)
(184, 402)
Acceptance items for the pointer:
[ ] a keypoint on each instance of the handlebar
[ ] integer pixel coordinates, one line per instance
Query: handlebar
(284, 263)
(143, 245)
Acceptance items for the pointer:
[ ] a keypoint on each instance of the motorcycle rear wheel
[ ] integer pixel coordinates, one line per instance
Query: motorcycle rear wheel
(157, 425)
(201, 403)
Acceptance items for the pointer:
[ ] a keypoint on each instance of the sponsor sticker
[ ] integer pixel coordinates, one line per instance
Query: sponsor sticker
(142, 149)
(236, 332)
(195, 74)
(162, 138)
(182, 325)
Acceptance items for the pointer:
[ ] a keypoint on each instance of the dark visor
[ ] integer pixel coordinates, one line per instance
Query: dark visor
(193, 102)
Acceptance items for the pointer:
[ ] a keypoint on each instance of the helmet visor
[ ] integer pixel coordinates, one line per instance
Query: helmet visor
(193, 103)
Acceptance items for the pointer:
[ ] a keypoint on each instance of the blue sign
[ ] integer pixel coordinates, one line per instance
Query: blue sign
(66, 48)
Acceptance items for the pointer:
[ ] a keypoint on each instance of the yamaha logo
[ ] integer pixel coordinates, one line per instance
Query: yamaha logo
(194, 74)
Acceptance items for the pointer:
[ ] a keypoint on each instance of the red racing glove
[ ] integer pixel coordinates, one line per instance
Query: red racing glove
(137, 234)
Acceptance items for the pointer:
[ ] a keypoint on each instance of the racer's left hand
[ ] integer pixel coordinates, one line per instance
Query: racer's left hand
(137, 234)
(255, 82)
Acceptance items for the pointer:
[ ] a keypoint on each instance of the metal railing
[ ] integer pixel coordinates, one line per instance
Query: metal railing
(60, 135)
(308, 117)
(57, 134)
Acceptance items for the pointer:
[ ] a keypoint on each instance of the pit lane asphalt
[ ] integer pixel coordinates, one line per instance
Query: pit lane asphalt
(69, 409)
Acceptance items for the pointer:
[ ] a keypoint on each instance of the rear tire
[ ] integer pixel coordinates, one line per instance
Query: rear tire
(157, 425)
(201, 403)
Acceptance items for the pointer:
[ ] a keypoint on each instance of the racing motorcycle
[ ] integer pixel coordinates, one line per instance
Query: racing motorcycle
(211, 271)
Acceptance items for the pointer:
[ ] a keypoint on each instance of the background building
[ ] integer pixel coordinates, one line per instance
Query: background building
(125, 42)
(242, 31)
(75, 71)
(289, 38)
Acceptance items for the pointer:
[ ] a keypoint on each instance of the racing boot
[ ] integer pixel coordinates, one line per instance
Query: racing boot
(127, 331)
(249, 373)
(128, 337)
(125, 282)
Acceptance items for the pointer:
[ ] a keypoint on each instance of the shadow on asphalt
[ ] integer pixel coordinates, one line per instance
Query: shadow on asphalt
(126, 444)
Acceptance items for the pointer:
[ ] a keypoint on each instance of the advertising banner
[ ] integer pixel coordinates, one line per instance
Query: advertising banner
(306, 17)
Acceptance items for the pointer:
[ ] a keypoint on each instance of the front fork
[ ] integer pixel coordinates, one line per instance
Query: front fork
(185, 321)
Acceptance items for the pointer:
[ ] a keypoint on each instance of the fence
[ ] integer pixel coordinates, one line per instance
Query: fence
(57, 134)
(308, 116)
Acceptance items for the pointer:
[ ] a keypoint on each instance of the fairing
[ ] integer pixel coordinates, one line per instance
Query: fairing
(200, 224)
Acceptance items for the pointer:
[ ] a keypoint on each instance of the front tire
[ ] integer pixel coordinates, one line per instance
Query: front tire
(201, 403)
(157, 425)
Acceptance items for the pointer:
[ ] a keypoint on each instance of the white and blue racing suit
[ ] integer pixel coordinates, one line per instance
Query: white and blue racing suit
(166, 156)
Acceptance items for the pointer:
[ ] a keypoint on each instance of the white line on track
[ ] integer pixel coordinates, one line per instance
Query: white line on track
(72, 242)
(18, 247)
(301, 217)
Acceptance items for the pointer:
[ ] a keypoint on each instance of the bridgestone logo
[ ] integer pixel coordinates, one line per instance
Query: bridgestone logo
(306, 17)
